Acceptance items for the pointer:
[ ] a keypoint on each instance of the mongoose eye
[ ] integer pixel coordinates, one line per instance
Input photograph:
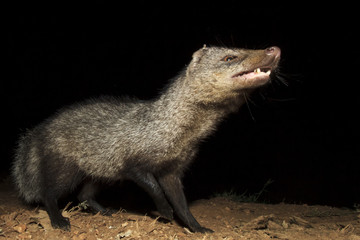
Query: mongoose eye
(228, 58)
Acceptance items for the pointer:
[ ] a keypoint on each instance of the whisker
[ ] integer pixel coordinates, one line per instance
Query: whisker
(282, 79)
(283, 76)
(262, 96)
(281, 100)
(248, 106)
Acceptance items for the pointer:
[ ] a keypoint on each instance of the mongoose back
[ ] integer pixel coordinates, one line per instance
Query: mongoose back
(149, 142)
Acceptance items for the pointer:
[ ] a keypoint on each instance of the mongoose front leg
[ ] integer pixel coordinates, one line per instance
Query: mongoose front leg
(173, 189)
(148, 182)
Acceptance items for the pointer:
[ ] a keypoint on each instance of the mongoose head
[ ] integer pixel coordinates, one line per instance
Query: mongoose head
(223, 72)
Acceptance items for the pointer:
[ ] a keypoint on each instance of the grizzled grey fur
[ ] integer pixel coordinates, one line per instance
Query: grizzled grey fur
(149, 142)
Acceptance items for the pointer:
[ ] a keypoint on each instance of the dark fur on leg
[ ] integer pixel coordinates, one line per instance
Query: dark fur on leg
(87, 194)
(173, 189)
(57, 220)
(148, 182)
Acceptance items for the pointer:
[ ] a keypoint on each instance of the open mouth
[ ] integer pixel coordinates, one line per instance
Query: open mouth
(257, 72)
(253, 78)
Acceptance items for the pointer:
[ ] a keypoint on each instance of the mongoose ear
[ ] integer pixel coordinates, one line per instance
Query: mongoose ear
(199, 54)
(196, 57)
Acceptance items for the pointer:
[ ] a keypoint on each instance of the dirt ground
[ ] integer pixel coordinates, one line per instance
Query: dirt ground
(229, 220)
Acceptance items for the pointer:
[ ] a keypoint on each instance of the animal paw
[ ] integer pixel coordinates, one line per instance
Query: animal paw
(61, 223)
(108, 212)
(202, 230)
(167, 213)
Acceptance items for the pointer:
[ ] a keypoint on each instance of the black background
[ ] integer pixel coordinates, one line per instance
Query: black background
(304, 136)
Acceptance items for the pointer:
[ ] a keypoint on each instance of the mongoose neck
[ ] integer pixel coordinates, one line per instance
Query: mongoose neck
(184, 106)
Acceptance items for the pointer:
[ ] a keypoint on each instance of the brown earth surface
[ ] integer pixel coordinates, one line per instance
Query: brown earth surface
(229, 220)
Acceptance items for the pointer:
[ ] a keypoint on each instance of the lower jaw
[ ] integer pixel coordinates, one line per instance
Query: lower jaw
(253, 81)
(258, 81)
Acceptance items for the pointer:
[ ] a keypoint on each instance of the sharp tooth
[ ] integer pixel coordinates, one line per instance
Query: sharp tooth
(268, 72)
(257, 70)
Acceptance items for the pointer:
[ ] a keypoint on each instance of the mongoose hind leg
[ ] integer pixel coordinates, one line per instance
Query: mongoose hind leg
(87, 194)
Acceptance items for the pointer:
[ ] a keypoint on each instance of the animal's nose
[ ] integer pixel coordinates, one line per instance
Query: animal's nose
(273, 51)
